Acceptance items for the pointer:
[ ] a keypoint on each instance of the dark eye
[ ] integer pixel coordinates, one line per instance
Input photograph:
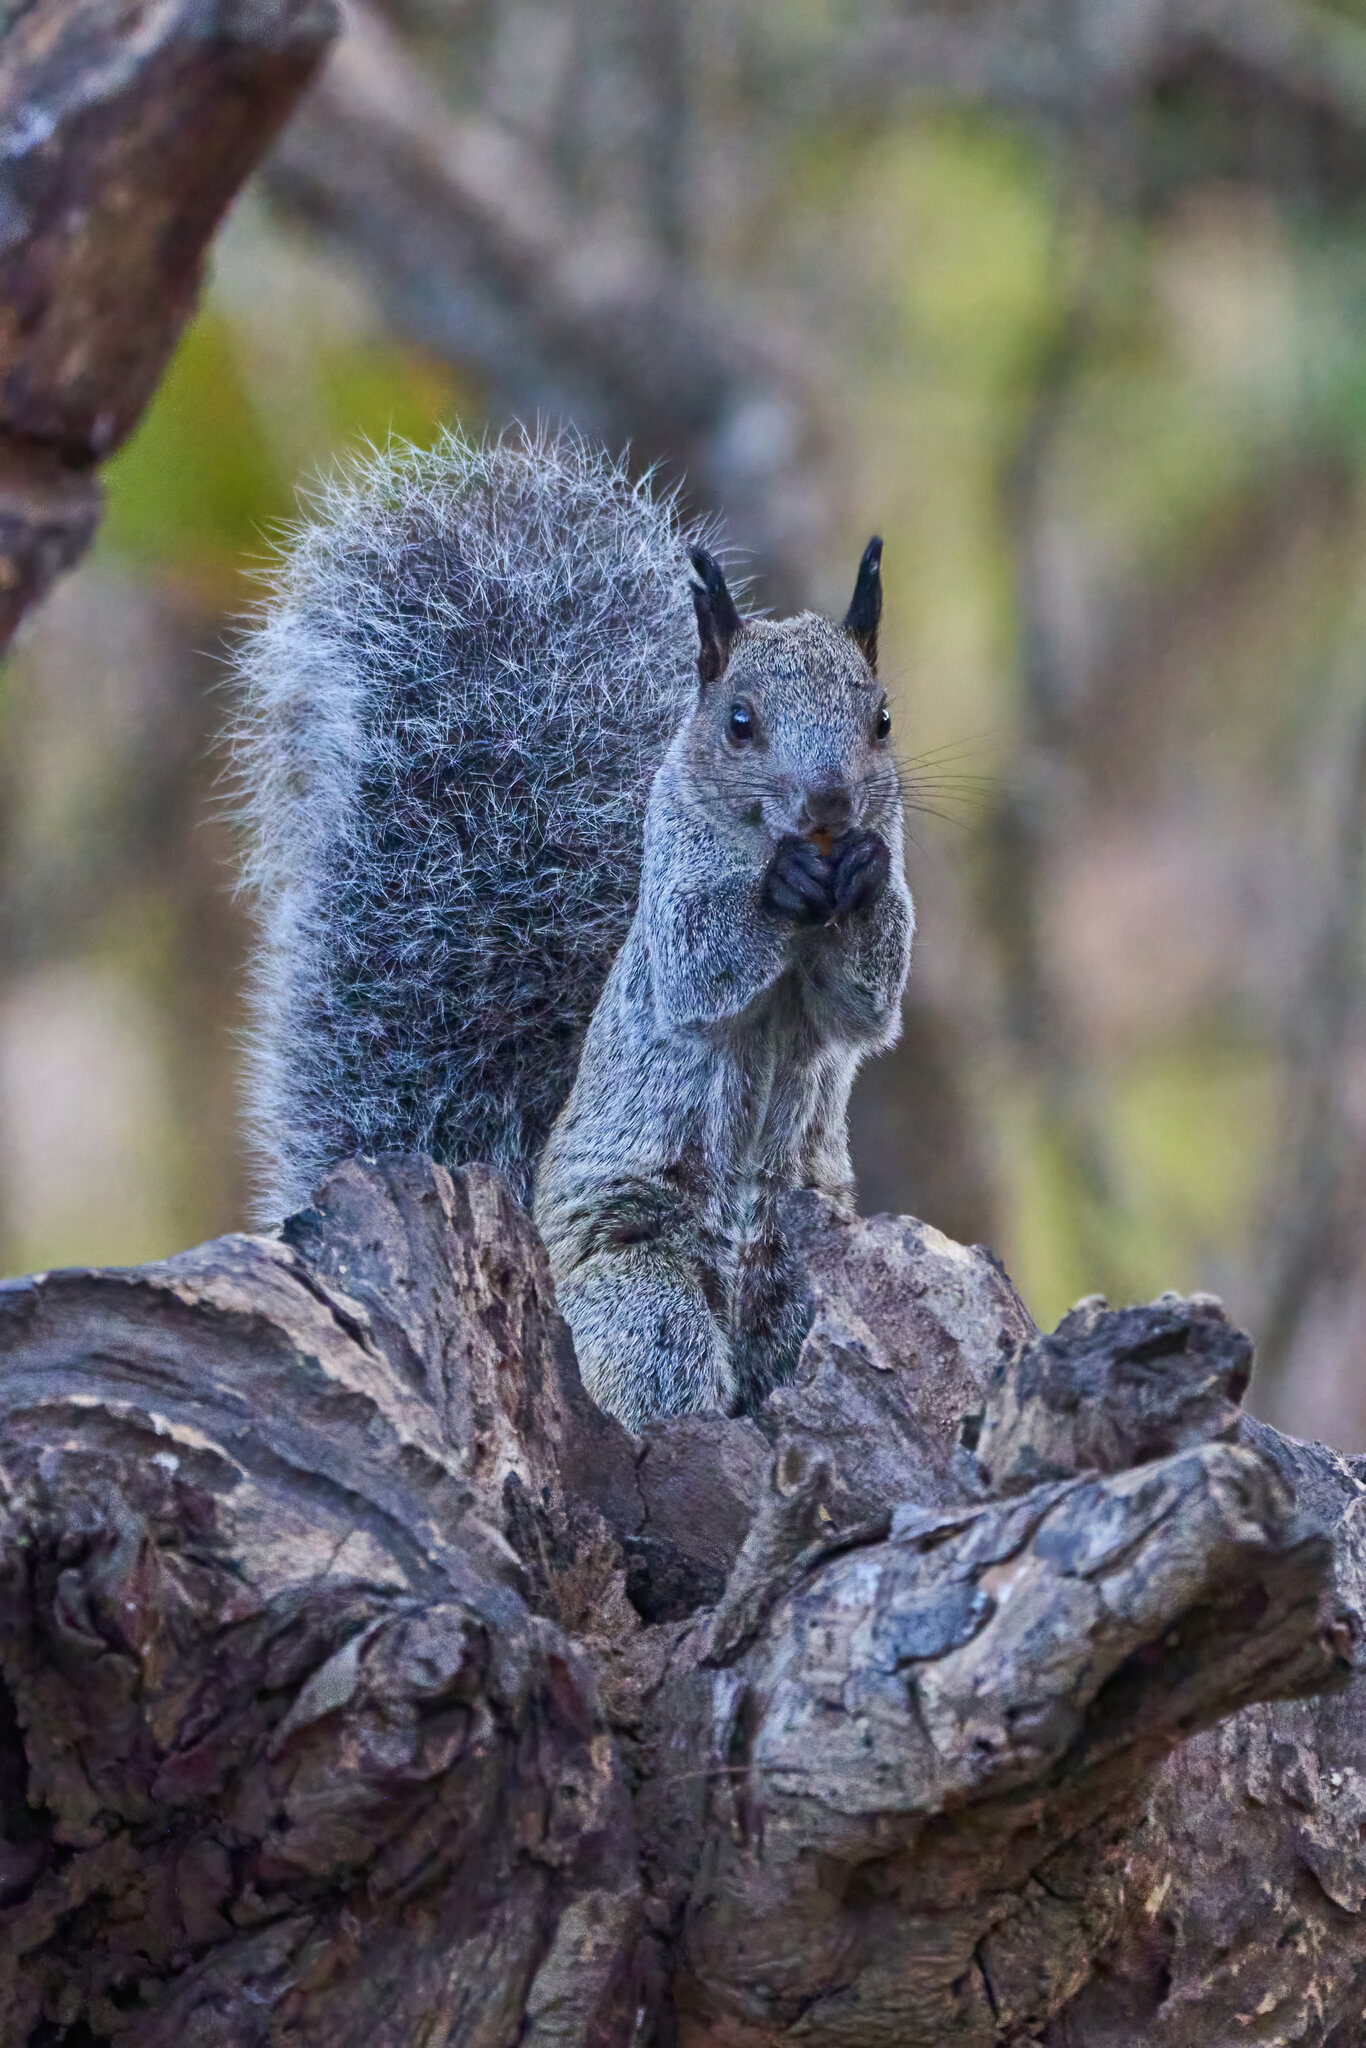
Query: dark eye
(741, 724)
(882, 726)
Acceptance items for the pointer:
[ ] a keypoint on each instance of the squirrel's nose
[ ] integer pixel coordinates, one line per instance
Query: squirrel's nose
(827, 807)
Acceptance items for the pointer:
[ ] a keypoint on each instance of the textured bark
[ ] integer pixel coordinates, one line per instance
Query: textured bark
(124, 133)
(363, 1683)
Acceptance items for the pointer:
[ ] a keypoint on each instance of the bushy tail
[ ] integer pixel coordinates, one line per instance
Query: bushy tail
(469, 666)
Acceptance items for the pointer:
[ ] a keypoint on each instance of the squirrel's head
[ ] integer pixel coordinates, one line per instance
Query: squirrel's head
(791, 730)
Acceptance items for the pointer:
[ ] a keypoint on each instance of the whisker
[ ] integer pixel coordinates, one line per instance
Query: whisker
(923, 850)
(972, 742)
(945, 817)
(969, 783)
(964, 799)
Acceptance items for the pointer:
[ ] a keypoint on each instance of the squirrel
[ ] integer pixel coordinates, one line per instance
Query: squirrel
(562, 864)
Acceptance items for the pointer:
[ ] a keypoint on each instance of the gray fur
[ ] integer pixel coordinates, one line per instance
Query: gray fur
(466, 673)
(717, 1068)
(470, 668)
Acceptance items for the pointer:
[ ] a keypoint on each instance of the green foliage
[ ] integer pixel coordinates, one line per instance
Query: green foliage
(216, 462)
(197, 478)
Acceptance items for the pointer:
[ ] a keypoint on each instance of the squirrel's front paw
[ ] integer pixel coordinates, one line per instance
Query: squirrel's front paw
(799, 884)
(862, 863)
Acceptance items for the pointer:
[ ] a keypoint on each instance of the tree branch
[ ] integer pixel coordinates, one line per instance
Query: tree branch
(122, 140)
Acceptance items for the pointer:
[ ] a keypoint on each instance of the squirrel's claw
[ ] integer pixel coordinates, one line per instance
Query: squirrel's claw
(799, 882)
(807, 887)
(863, 864)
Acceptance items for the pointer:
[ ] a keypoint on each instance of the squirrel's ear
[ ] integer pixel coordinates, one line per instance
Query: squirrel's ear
(865, 608)
(718, 622)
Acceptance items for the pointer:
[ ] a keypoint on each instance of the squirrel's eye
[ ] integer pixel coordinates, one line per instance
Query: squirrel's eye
(883, 727)
(741, 727)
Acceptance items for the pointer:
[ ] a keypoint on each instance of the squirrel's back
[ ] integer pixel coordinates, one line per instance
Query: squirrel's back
(468, 669)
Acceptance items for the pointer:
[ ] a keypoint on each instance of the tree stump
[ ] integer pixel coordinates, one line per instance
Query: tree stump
(362, 1683)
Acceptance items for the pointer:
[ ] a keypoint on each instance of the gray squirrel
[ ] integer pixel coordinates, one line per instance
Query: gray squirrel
(541, 881)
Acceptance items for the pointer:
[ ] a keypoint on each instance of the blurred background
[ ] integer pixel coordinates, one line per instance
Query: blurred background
(1067, 299)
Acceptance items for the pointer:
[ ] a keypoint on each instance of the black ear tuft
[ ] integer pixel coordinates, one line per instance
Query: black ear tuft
(865, 607)
(718, 622)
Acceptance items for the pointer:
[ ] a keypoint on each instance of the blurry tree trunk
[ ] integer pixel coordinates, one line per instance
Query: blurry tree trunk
(1030, 814)
(361, 1683)
(913, 1136)
(123, 137)
(480, 253)
(1315, 1202)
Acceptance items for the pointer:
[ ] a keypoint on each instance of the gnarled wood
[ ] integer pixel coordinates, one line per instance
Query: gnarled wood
(362, 1682)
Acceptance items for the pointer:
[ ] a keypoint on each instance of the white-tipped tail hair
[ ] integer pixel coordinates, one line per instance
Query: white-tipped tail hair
(452, 704)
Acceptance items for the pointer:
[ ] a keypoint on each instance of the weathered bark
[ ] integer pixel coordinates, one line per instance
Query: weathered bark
(299, 1762)
(363, 1683)
(123, 136)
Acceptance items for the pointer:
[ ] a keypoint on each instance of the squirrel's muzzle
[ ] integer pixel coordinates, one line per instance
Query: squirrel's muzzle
(827, 811)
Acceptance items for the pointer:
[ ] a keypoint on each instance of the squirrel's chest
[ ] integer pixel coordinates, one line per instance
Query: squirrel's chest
(760, 1100)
